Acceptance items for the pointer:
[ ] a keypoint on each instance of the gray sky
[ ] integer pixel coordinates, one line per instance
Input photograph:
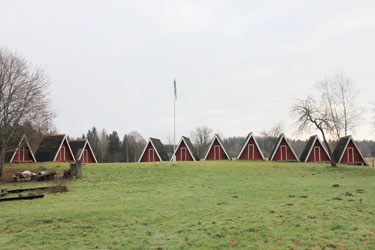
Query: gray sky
(239, 65)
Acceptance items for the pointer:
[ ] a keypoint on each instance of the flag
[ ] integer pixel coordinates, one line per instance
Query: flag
(175, 89)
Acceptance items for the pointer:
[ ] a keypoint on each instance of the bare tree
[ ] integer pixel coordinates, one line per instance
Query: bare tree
(201, 137)
(312, 115)
(23, 98)
(274, 132)
(133, 145)
(339, 95)
(102, 146)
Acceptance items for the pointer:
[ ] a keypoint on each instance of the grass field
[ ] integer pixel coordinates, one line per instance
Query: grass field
(198, 205)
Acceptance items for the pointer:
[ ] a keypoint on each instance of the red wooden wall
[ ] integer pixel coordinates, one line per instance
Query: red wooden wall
(64, 154)
(87, 156)
(314, 154)
(220, 155)
(351, 155)
(246, 155)
(182, 153)
(22, 155)
(149, 153)
(289, 153)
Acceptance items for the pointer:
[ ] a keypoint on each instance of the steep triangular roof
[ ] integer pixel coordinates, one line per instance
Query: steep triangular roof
(341, 147)
(78, 147)
(158, 147)
(217, 137)
(189, 145)
(23, 140)
(50, 146)
(248, 138)
(279, 140)
(309, 146)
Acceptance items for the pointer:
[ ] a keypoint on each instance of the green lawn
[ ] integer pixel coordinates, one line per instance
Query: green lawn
(199, 205)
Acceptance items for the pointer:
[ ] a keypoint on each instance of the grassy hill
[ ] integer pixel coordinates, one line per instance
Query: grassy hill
(197, 205)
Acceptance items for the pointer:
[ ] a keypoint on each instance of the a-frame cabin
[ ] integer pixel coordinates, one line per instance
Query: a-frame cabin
(20, 152)
(314, 151)
(283, 151)
(82, 151)
(216, 150)
(154, 151)
(250, 149)
(185, 151)
(347, 152)
(54, 148)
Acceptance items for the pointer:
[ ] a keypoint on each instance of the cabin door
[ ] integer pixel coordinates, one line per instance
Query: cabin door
(85, 156)
(250, 152)
(283, 153)
(62, 153)
(317, 154)
(151, 155)
(183, 154)
(350, 153)
(217, 152)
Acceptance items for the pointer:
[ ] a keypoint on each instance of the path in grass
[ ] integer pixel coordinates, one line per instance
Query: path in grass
(209, 205)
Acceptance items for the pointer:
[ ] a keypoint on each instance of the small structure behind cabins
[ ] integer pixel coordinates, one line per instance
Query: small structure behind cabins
(154, 151)
(54, 148)
(347, 152)
(216, 150)
(185, 151)
(82, 151)
(19, 151)
(283, 151)
(250, 149)
(314, 151)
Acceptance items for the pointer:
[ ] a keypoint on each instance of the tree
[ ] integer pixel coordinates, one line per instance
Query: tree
(339, 96)
(201, 137)
(102, 146)
(23, 98)
(312, 114)
(93, 138)
(270, 137)
(133, 145)
(334, 114)
(114, 146)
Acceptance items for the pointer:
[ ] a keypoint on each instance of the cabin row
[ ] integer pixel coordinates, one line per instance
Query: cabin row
(56, 148)
(346, 151)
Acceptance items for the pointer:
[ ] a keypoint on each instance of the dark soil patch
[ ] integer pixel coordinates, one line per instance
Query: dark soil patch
(335, 185)
(337, 199)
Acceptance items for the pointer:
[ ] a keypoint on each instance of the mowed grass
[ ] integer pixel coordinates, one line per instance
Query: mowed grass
(197, 205)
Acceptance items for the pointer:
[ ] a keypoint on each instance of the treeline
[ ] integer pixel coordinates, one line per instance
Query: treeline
(109, 147)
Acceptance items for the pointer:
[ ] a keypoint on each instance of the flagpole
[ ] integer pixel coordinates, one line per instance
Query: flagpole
(174, 123)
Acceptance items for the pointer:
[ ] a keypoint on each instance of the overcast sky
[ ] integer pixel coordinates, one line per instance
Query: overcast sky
(239, 65)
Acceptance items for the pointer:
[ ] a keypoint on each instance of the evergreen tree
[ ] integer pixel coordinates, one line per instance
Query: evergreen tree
(114, 147)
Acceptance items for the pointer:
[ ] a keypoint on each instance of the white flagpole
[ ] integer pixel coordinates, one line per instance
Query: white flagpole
(174, 121)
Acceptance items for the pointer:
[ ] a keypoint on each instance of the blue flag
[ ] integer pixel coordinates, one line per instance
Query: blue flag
(175, 89)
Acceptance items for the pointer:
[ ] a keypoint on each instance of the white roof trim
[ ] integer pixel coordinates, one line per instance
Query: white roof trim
(19, 144)
(92, 152)
(321, 143)
(144, 150)
(282, 136)
(355, 145)
(216, 137)
(70, 150)
(251, 135)
(178, 145)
